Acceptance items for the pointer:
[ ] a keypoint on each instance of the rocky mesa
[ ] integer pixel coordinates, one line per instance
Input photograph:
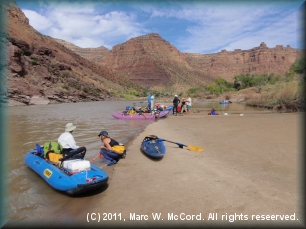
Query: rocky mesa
(152, 62)
(259, 60)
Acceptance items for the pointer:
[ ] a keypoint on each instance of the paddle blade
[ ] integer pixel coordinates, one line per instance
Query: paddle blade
(195, 148)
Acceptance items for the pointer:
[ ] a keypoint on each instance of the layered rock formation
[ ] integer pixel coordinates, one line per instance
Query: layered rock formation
(154, 63)
(259, 60)
(150, 60)
(92, 54)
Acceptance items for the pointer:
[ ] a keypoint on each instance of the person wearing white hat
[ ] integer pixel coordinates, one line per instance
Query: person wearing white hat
(176, 102)
(70, 148)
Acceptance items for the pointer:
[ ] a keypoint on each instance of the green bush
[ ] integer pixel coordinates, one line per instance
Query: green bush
(34, 62)
(274, 79)
(86, 89)
(221, 82)
(65, 75)
(75, 85)
(214, 89)
(299, 66)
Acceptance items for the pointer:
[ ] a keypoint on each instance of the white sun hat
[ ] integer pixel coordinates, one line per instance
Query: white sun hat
(69, 127)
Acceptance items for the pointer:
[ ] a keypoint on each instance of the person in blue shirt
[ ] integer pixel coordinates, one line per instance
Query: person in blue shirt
(213, 112)
(152, 102)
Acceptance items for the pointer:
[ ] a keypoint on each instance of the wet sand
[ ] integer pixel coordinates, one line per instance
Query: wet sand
(250, 166)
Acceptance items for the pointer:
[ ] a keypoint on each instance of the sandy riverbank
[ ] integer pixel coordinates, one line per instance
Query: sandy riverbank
(249, 166)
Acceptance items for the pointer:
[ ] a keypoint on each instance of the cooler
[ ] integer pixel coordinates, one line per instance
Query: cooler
(76, 165)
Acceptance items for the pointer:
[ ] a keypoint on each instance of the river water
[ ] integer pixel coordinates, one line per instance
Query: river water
(29, 197)
(38, 124)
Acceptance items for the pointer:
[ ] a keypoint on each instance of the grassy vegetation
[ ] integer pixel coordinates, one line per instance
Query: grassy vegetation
(128, 96)
(282, 96)
(65, 87)
(287, 93)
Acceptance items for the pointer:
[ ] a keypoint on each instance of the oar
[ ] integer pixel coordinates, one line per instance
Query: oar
(191, 148)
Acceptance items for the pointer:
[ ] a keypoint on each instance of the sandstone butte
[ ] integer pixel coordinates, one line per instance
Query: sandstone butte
(43, 69)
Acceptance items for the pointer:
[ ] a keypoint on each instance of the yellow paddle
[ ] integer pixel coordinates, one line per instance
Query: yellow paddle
(191, 148)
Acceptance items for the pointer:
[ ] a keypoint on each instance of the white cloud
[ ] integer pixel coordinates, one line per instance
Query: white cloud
(237, 29)
(86, 29)
(87, 42)
(37, 21)
(117, 24)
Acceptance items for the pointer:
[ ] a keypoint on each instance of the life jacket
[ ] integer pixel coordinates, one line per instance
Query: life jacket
(54, 157)
(120, 149)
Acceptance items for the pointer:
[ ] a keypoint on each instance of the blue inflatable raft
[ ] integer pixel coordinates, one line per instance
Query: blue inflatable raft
(153, 146)
(65, 179)
(225, 102)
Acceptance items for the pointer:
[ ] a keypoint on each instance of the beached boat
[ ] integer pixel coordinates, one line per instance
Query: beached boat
(153, 147)
(143, 116)
(72, 176)
(225, 102)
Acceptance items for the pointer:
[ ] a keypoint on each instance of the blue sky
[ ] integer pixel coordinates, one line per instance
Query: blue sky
(191, 26)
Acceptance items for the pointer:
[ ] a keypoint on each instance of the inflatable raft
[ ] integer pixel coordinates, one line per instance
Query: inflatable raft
(225, 102)
(153, 147)
(70, 176)
(143, 116)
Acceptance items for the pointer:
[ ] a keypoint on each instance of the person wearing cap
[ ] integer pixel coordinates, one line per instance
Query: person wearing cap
(176, 102)
(106, 148)
(70, 149)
